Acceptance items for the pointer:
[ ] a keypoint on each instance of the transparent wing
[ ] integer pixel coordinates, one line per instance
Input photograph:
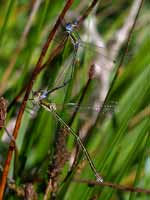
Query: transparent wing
(97, 49)
(66, 70)
(109, 108)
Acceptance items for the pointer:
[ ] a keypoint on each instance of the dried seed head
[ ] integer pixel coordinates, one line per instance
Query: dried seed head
(3, 111)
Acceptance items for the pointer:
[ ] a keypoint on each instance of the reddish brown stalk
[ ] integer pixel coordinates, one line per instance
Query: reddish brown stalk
(55, 52)
(29, 87)
(115, 186)
(87, 12)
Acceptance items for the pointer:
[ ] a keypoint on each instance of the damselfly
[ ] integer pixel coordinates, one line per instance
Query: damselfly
(71, 30)
(39, 98)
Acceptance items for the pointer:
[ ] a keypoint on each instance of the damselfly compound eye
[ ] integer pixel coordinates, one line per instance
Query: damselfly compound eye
(69, 27)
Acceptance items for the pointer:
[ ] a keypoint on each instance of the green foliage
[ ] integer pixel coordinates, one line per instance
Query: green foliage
(118, 143)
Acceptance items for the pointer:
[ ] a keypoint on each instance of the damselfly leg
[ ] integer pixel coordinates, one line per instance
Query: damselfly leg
(39, 98)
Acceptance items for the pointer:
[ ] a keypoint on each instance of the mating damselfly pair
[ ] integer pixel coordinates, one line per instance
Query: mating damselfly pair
(39, 98)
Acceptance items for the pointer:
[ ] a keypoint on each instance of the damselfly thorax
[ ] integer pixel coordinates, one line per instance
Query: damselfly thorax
(39, 98)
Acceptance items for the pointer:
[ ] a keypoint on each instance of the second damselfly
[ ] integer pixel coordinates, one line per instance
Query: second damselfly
(39, 99)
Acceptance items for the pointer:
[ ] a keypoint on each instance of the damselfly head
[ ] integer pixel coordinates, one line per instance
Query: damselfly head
(39, 95)
(70, 26)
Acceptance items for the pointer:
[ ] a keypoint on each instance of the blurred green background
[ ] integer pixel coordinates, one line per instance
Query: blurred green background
(119, 142)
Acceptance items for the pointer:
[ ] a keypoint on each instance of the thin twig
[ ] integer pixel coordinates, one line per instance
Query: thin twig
(87, 12)
(22, 108)
(113, 185)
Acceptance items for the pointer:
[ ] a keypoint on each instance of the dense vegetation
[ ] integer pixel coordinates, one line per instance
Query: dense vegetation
(109, 86)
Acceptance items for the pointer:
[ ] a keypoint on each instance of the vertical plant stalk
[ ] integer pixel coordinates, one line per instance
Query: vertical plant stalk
(87, 12)
(20, 46)
(22, 108)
